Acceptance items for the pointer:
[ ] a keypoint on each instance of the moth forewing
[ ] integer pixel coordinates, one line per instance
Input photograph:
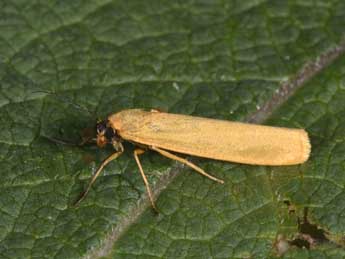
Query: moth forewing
(216, 139)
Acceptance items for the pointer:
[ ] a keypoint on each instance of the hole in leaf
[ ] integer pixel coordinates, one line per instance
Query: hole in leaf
(299, 242)
(311, 229)
(309, 234)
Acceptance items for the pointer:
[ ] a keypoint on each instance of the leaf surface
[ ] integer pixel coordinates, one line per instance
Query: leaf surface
(64, 64)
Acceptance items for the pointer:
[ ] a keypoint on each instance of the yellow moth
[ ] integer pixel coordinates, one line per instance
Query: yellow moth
(216, 139)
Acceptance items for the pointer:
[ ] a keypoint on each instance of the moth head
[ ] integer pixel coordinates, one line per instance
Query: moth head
(105, 133)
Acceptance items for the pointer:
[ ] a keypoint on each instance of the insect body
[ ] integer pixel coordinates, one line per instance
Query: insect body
(210, 138)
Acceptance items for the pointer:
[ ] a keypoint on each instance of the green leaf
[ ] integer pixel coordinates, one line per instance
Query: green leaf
(64, 64)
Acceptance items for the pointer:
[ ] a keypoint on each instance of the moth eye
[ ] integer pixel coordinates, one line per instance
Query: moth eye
(101, 127)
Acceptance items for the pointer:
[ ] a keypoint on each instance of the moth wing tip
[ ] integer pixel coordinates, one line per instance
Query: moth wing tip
(306, 146)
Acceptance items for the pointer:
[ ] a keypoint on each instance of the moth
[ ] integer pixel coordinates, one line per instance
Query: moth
(203, 137)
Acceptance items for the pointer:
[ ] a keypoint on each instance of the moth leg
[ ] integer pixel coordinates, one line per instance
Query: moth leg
(186, 162)
(138, 152)
(98, 172)
(70, 143)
